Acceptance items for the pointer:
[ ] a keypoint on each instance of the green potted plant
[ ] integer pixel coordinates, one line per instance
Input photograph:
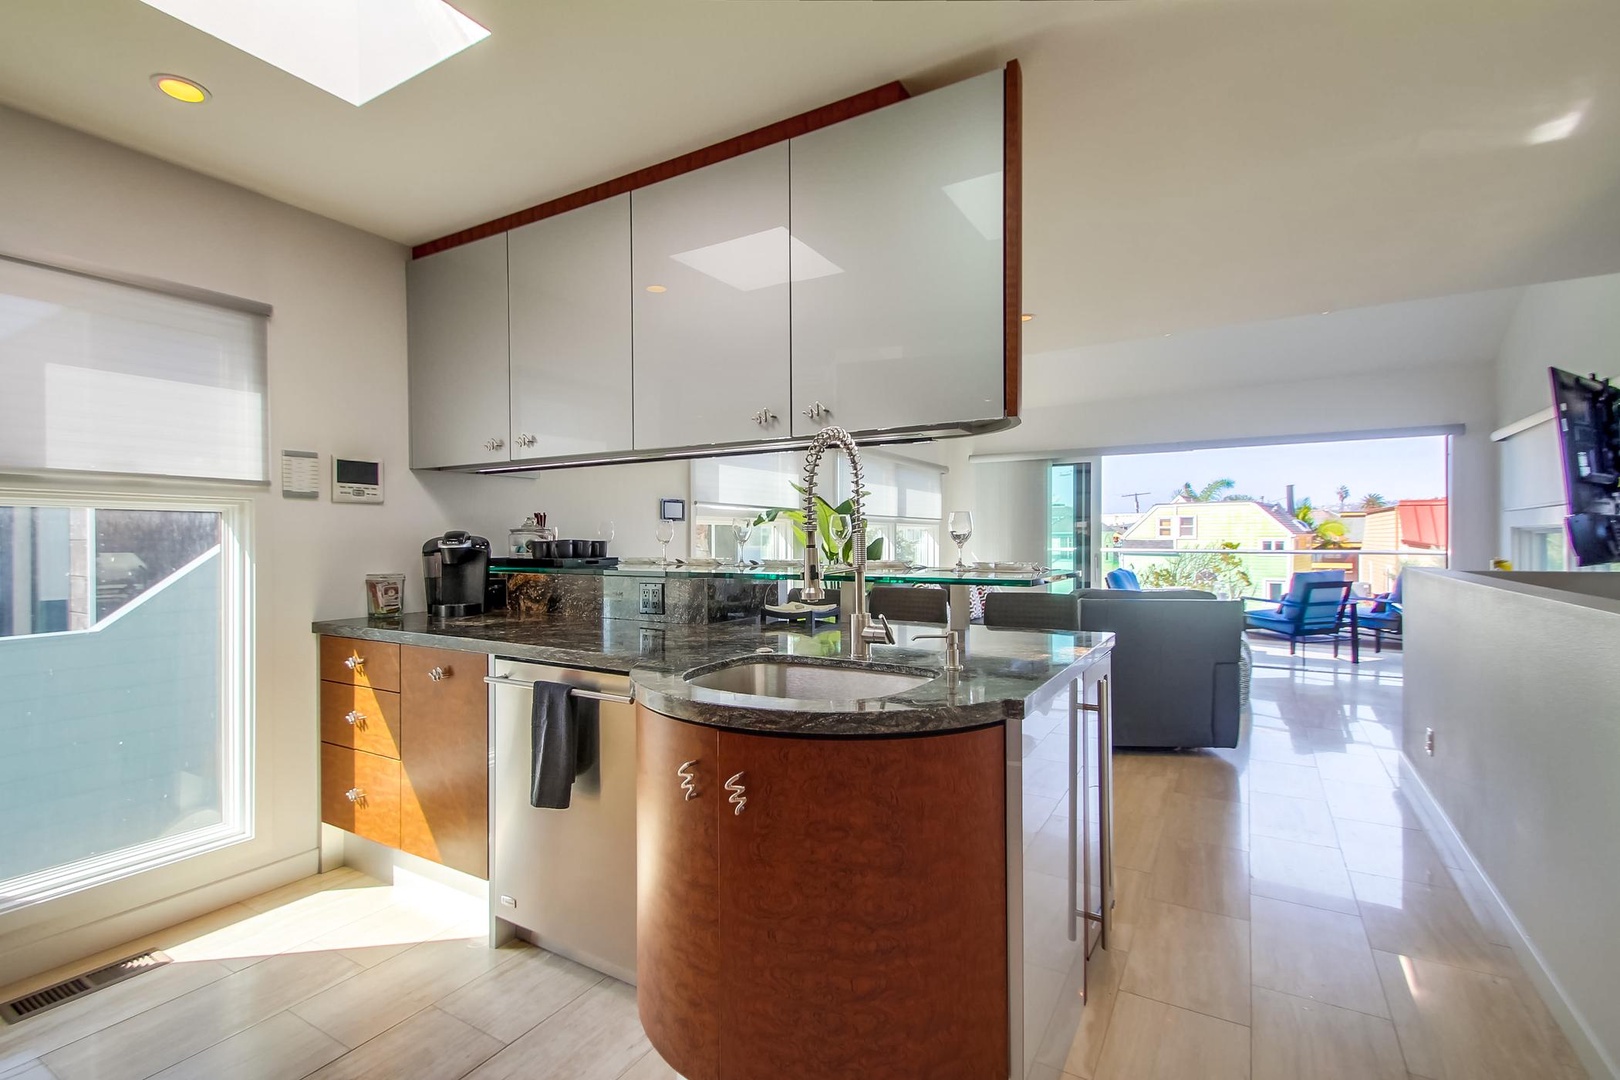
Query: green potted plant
(832, 551)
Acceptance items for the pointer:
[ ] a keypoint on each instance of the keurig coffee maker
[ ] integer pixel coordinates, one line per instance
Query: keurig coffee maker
(456, 566)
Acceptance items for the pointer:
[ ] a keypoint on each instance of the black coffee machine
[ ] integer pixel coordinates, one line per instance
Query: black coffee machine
(456, 566)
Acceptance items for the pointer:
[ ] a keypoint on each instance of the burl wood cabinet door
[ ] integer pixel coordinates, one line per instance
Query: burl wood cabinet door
(677, 923)
(838, 956)
(444, 750)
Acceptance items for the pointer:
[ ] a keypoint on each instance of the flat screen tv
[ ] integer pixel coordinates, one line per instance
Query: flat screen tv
(1587, 409)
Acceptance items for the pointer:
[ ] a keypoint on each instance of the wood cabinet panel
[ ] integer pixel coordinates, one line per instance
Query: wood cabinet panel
(863, 908)
(677, 893)
(376, 662)
(375, 718)
(444, 749)
(374, 813)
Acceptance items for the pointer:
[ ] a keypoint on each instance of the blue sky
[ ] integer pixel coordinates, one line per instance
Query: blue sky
(1412, 468)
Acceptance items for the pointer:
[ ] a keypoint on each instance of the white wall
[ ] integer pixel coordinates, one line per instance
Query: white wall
(337, 385)
(1011, 512)
(1574, 325)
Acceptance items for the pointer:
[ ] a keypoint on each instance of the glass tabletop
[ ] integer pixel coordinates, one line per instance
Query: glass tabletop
(925, 575)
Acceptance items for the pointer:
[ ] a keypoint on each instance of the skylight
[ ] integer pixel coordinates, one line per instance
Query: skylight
(759, 260)
(352, 49)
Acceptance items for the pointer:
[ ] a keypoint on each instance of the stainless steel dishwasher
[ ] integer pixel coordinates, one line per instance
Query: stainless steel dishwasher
(565, 879)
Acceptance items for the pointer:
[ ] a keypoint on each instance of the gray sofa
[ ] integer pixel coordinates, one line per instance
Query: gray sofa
(1176, 664)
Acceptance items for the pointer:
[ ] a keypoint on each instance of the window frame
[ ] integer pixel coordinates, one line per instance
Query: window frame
(238, 694)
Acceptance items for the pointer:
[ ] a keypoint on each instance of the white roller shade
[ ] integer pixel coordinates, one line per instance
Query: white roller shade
(896, 486)
(97, 376)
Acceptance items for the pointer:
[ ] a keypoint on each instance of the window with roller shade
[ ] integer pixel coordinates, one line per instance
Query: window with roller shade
(904, 503)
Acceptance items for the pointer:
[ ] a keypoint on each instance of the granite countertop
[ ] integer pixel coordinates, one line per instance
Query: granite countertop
(1006, 672)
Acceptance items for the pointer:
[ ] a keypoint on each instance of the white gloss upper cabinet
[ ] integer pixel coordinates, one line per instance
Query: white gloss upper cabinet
(897, 264)
(570, 322)
(456, 314)
(710, 251)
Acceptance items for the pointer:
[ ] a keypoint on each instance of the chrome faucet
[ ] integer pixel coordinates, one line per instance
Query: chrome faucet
(863, 633)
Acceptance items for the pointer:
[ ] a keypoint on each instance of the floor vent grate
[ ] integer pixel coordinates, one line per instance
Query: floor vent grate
(22, 1008)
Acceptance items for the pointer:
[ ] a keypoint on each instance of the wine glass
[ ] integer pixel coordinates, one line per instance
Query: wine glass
(605, 531)
(742, 530)
(664, 534)
(839, 527)
(961, 526)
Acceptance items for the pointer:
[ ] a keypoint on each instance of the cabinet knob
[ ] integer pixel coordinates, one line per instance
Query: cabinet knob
(764, 417)
(438, 674)
(494, 444)
(688, 780)
(356, 718)
(525, 441)
(816, 410)
(355, 662)
(355, 795)
(739, 798)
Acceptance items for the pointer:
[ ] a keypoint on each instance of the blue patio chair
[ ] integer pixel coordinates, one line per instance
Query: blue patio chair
(1314, 607)
(1123, 579)
(1383, 616)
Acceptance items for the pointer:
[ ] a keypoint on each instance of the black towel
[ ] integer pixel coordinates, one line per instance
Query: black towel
(562, 732)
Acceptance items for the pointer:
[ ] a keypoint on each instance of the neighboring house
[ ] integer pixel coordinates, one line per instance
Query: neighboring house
(1256, 528)
(1418, 530)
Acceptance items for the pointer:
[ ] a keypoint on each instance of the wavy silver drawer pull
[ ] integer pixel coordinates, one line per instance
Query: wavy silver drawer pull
(688, 780)
(356, 718)
(738, 797)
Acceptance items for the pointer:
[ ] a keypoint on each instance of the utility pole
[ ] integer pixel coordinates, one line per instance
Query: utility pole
(1136, 498)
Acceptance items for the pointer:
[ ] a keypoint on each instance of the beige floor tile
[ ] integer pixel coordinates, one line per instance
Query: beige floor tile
(1201, 876)
(516, 996)
(1484, 906)
(1274, 744)
(1390, 851)
(386, 933)
(1130, 890)
(1457, 1024)
(1143, 791)
(153, 1040)
(77, 1019)
(651, 1067)
(380, 997)
(1102, 989)
(1150, 1040)
(1300, 873)
(431, 1045)
(289, 925)
(282, 1047)
(1277, 778)
(32, 1070)
(1192, 959)
(596, 1037)
(343, 877)
(1296, 1039)
(1354, 766)
(1316, 954)
(1210, 776)
(1136, 840)
(1206, 821)
(1287, 818)
(1379, 805)
(1429, 923)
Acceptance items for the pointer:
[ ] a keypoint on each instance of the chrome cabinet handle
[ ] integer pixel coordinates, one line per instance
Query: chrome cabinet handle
(438, 674)
(525, 441)
(764, 417)
(355, 795)
(739, 798)
(816, 410)
(355, 662)
(494, 444)
(688, 780)
(356, 718)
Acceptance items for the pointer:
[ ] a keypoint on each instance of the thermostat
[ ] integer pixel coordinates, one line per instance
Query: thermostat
(356, 481)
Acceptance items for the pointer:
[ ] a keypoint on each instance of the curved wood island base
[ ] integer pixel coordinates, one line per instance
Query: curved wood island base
(810, 908)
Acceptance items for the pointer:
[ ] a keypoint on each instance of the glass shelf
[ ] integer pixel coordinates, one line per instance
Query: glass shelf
(940, 575)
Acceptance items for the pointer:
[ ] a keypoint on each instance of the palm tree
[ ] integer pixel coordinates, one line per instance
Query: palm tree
(1344, 495)
(1373, 501)
(1324, 534)
(1210, 492)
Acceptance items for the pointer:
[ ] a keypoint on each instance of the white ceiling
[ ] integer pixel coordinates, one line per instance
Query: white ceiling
(1187, 164)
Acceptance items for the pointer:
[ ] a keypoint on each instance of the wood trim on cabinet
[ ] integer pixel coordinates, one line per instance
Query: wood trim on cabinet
(444, 750)
(1012, 234)
(824, 116)
(376, 729)
(379, 670)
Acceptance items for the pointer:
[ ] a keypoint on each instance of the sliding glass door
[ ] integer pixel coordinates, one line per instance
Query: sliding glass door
(1069, 531)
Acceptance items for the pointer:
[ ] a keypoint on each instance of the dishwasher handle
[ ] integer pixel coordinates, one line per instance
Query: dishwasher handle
(577, 691)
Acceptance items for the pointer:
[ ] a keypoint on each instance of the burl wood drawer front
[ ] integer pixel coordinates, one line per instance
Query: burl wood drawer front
(362, 663)
(361, 718)
(360, 793)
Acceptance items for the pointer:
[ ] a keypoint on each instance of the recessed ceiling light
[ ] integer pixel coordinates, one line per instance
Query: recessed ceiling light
(180, 89)
(656, 288)
(1026, 316)
(352, 49)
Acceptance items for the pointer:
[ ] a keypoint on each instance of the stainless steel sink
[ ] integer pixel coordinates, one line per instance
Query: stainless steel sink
(780, 677)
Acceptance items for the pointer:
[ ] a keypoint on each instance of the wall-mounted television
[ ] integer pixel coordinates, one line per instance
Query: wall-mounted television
(1587, 409)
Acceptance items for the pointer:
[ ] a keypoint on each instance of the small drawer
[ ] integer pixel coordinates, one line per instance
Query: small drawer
(360, 718)
(360, 793)
(362, 663)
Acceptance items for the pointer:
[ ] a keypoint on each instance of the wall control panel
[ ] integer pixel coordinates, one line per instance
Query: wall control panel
(356, 481)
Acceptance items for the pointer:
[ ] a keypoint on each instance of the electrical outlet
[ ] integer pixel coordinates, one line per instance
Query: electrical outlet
(652, 598)
(1428, 741)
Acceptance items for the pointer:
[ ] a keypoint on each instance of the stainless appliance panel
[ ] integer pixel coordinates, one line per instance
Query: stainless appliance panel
(566, 879)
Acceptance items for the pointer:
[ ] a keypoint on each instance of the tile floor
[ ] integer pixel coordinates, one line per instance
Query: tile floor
(1282, 916)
